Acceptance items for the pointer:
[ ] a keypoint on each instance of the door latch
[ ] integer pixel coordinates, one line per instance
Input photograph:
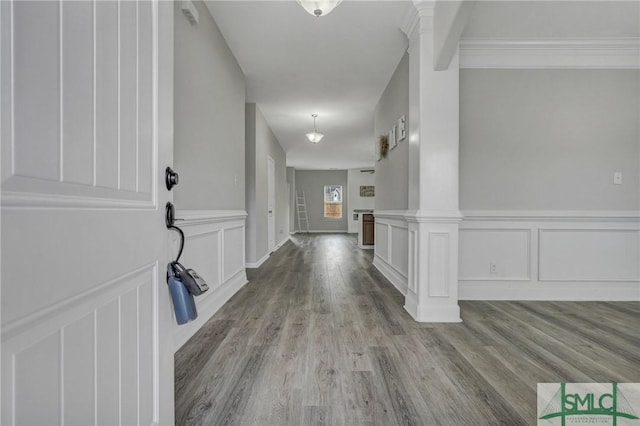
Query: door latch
(171, 178)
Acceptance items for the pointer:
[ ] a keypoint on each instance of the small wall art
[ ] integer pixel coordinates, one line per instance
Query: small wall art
(393, 141)
(383, 147)
(368, 191)
(402, 129)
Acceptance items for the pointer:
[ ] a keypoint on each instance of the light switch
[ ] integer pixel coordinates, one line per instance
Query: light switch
(617, 178)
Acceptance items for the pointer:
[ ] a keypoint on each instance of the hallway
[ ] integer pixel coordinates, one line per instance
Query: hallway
(318, 336)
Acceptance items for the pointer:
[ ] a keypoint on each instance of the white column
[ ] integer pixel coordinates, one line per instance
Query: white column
(434, 216)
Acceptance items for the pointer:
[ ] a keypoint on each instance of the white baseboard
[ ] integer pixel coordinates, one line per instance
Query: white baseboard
(283, 242)
(258, 263)
(311, 231)
(564, 291)
(390, 273)
(266, 256)
(209, 307)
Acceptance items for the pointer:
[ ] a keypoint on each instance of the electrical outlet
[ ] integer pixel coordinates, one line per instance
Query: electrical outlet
(617, 178)
(493, 268)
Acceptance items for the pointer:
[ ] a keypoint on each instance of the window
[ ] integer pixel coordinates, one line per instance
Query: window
(333, 201)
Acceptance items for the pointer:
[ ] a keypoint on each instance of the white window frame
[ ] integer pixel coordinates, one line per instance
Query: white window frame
(325, 192)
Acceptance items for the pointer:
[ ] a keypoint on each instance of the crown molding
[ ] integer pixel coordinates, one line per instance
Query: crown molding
(604, 53)
(415, 10)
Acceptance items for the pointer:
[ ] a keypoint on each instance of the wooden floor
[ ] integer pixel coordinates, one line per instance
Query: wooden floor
(319, 337)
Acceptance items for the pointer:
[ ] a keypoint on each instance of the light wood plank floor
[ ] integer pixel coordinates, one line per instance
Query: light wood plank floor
(319, 337)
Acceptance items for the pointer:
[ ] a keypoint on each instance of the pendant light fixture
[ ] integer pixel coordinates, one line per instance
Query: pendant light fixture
(315, 136)
(319, 7)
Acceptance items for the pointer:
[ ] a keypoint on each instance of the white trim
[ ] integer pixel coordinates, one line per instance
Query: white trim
(603, 53)
(199, 217)
(391, 214)
(574, 291)
(433, 216)
(397, 279)
(259, 263)
(33, 200)
(264, 258)
(553, 216)
(415, 10)
(281, 243)
(311, 231)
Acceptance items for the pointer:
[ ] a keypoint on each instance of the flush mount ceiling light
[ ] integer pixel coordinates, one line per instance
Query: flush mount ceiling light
(319, 7)
(314, 137)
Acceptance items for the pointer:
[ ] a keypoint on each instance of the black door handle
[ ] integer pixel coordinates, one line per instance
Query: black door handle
(171, 178)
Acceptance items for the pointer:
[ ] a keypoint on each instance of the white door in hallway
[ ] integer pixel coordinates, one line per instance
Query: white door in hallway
(86, 133)
(271, 203)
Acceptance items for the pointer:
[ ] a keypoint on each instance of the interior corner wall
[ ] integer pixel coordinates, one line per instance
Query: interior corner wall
(549, 139)
(392, 172)
(391, 179)
(260, 144)
(312, 182)
(209, 98)
(356, 179)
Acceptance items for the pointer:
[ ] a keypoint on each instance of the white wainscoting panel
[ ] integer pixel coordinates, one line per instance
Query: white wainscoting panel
(438, 270)
(391, 254)
(214, 247)
(589, 255)
(507, 249)
(233, 251)
(399, 253)
(381, 246)
(546, 255)
(82, 360)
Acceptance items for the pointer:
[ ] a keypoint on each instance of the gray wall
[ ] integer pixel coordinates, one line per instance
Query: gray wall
(549, 139)
(209, 97)
(392, 173)
(312, 182)
(291, 181)
(260, 143)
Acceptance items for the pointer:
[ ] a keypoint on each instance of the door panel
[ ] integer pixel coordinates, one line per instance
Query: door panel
(271, 203)
(86, 126)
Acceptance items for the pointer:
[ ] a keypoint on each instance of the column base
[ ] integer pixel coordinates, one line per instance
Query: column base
(445, 312)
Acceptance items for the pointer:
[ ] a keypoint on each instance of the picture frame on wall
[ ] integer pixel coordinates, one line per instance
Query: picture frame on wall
(367, 191)
(393, 142)
(402, 130)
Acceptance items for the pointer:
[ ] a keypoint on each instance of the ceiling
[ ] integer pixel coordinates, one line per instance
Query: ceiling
(337, 66)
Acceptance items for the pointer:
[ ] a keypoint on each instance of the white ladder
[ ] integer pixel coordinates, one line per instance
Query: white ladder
(301, 210)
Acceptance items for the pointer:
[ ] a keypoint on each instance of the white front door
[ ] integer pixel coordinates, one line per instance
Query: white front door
(271, 203)
(86, 134)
